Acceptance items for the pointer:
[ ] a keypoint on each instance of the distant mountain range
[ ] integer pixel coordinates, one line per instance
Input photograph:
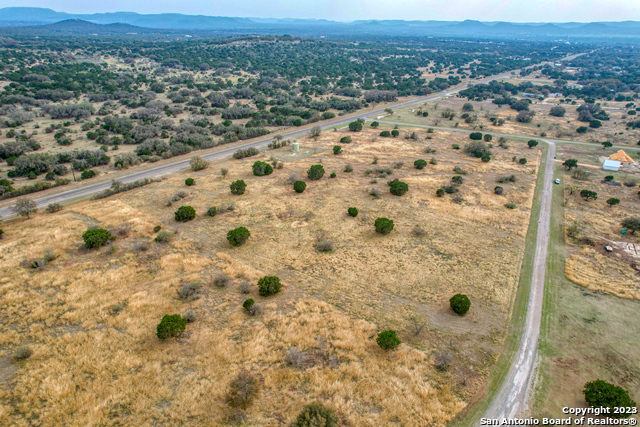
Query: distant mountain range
(41, 21)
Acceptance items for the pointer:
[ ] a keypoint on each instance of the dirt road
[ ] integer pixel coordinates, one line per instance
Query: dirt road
(511, 400)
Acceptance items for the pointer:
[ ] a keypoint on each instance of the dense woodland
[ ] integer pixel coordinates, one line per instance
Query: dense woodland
(169, 98)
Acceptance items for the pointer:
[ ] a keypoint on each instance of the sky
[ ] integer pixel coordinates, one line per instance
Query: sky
(349, 10)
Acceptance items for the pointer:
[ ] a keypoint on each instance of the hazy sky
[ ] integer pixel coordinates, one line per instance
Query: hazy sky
(348, 10)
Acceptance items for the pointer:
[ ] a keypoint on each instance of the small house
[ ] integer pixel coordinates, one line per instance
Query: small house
(622, 157)
(611, 165)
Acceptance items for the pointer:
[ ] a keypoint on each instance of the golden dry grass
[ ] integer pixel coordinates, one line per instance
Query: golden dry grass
(94, 367)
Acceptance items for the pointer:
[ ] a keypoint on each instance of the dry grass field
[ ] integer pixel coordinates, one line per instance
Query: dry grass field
(90, 316)
(599, 225)
(542, 125)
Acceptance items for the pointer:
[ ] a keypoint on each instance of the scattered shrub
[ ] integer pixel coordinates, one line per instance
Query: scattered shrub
(269, 285)
(375, 193)
(86, 174)
(243, 390)
(189, 181)
(164, 237)
(171, 325)
(54, 207)
(440, 192)
(316, 415)
(238, 187)
(245, 152)
(355, 126)
(189, 291)
(299, 186)
(420, 164)
(316, 172)
(22, 353)
(384, 225)
(184, 214)
(238, 236)
(333, 175)
(353, 212)
(398, 188)
(457, 179)
(523, 161)
(245, 288)
(212, 211)
(387, 340)
(498, 190)
(337, 149)
(190, 316)
(450, 189)
(221, 280)
(262, 168)
(477, 149)
(443, 359)
(460, 304)
(348, 168)
(323, 246)
(198, 163)
(345, 140)
(248, 303)
(157, 228)
(96, 238)
(510, 206)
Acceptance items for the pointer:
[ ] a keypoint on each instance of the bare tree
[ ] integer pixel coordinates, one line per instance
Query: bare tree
(25, 207)
(443, 359)
(315, 132)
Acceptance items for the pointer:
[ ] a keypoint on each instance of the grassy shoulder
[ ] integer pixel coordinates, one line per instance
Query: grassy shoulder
(585, 335)
(476, 408)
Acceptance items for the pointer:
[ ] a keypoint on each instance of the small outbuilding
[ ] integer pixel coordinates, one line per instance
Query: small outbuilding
(622, 157)
(611, 165)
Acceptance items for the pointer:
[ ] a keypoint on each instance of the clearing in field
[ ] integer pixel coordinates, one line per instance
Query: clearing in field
(90, 316)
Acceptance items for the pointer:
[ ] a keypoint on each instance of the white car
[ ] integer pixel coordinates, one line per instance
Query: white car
(557, 181)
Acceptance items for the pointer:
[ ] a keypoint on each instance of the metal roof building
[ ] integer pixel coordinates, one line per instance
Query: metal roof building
(611, 165)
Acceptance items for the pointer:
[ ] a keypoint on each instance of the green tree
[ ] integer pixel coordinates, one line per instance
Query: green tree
(171, 325)
(238, 236)
(355, 126)
(299, 186)
(582, 129)
(353, 212)
(395, 133)
(385, 134)
(185, 213)
(237, 187)
(398, 188)
(607, 144)
(375, 125)
(262, 168)
(570, 163)
(523, 161)
(632, 224)
(315, 172)
(613, 201)
(269, 285)
(532, 143)
(595, 124)
(588, 195)
(460, 304)
(384, 225)
(600, 393)
(476, 136)
(189, 181)
(387, 340)
(488, 137)
(420, 164)
(96, 238)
